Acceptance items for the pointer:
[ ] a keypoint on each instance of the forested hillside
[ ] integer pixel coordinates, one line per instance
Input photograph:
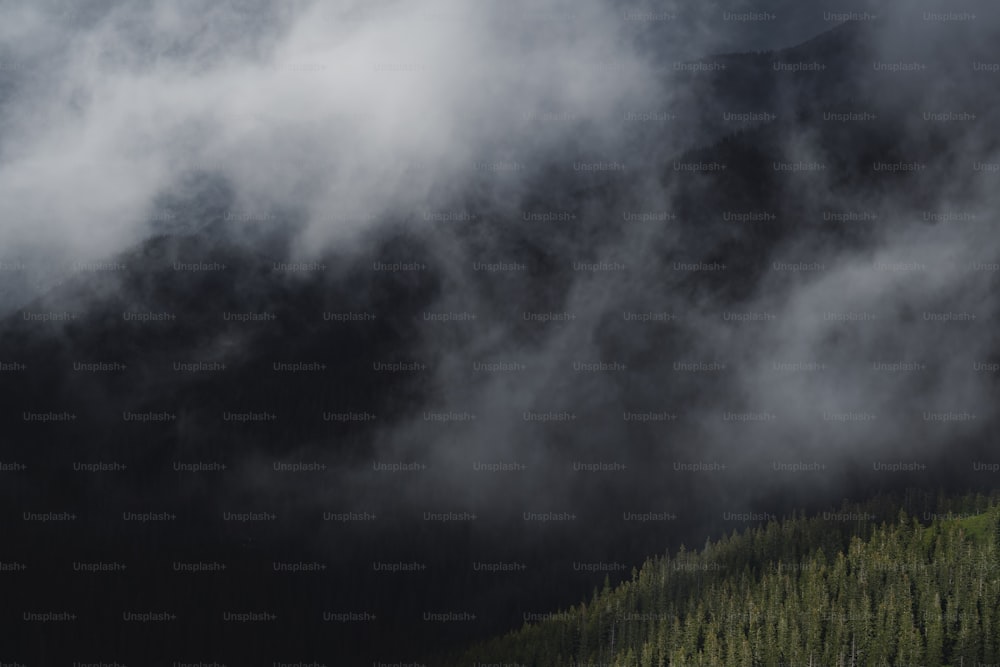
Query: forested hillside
(834, 589)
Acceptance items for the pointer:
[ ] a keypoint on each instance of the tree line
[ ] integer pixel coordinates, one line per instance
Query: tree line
(838, 589)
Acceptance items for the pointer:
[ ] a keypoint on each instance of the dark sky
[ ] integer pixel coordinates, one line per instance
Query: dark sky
(506, 299)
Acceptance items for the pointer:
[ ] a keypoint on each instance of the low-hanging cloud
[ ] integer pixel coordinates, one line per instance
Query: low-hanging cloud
(343, 112)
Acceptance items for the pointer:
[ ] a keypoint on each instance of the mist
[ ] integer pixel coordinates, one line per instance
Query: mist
(502, 276)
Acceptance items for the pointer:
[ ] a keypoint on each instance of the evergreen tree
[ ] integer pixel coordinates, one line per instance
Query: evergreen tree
(897, 594)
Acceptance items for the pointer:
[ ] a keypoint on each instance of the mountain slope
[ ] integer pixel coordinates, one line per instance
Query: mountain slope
(561, 224)
(830, 590)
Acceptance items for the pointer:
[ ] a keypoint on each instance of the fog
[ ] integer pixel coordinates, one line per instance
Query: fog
(622, 327)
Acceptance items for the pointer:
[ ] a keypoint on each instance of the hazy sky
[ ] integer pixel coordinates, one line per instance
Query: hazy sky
(318, 130)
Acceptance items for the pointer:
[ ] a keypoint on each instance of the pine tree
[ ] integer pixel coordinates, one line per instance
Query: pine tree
(892, 594)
